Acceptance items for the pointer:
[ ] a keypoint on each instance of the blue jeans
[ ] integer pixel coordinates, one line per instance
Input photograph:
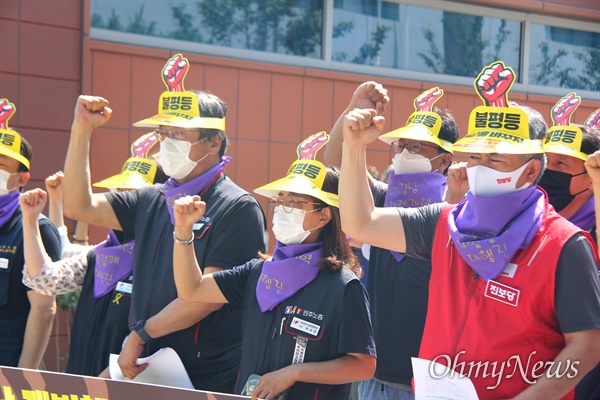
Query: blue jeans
(375, 390)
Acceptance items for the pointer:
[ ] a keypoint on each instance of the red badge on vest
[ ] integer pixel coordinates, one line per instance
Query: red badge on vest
(505, 294)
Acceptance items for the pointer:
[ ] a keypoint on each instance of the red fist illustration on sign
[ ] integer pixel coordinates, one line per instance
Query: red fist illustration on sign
(562, 110)
(493, 84)
(143, 144)
(427, 99)
(309, 148)
(174, 73)
(594, 119)
(7, 109)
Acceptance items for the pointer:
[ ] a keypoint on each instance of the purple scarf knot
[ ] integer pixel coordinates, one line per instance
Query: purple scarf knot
(114, 261)
(8, 205)
(414, 190)
(488, 231)
(290, 269)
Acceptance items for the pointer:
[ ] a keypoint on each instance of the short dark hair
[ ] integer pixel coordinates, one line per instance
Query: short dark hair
(449, 130)
(27, 152)
(213, 107)
(590, 142)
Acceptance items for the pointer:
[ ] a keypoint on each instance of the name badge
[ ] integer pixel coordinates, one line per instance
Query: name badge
(305, 326)
(197, 226)
(502, 293)
(124, 287)
(3, 263)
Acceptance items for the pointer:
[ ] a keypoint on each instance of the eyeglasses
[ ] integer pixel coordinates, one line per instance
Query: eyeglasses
(287, 204)
(173, 133)
(412, 147)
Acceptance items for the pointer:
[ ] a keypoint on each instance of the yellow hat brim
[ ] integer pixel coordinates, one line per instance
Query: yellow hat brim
(297, 184)
(124, 180)
(180, 120)
(415, 132)
(17, 156)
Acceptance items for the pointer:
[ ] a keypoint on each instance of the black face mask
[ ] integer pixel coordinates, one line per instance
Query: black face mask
(557, 185)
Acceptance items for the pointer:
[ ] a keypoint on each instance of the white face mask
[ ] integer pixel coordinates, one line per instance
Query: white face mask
(4, 177)
(289, 227)
(175, 157)
(408, 163)
(487, 182)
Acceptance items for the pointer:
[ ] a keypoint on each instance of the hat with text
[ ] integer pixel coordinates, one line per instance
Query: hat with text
(10, 141)
(424, 124)
(496, 127)
(564, 138)
(176, 106)
(138, 171)
(306, 175)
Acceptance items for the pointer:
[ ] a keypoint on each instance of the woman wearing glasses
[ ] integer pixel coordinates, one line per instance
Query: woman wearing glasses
(307, 330)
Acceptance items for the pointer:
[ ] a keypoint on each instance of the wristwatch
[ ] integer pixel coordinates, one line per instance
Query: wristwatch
(139, 328)
(183, 242)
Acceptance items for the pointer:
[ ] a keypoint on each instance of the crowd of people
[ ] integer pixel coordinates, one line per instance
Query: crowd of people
(488, 267)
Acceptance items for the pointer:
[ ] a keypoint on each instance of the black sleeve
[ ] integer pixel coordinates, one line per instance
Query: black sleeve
(577, 296)
(50, 238)
(356, 332)
(233, 282)
(124, 205)
(379, 191)
(419, 227)
(239, 236)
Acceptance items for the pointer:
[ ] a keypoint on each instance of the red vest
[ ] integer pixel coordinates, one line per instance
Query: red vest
(470, 322)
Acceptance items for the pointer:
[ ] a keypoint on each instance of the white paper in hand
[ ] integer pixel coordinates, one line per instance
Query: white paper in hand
(442, 384)
(164, 368)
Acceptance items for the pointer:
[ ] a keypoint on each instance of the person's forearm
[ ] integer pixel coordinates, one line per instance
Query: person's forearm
(333, 150)
(33, 247)
(37, 332)
(578, 357)
(341, 370)
(356, 199)
(178, 315)
(187, 272)
(77, 187)
(55, 212)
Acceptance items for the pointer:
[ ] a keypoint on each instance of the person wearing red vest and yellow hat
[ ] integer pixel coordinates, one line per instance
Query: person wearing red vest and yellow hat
(509, 275)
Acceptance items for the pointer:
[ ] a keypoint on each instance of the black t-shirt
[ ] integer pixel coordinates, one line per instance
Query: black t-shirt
(335, 303)
(14, 303)
(231, 232)
(577, 290)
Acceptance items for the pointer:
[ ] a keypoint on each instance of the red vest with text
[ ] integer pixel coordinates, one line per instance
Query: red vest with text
(478, 328)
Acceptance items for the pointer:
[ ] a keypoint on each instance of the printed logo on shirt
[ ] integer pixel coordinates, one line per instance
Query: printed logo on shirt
(303, 312)
(503, 293)
(124, 287)
(197, 226)
(305, 326)
(509, 271)
(3, 263)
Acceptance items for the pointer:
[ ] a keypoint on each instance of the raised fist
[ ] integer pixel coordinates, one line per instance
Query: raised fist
(91, 111)
(370, 95)
(32, 203)
(7, 109)
(309, 148)
(427, 99)
(493, 84)
(174, 72)
(561, 112)
(594, 119)
(362, 126)
(187, 210)
(54, 186)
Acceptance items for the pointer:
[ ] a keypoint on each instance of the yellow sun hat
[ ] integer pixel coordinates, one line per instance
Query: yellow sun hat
(306, 175)
(10, 140)
(138, 171)
(177, 107)
(564, 138)
(495, 127)
(423, 124)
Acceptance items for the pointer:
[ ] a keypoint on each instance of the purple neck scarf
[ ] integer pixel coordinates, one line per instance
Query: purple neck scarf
(8, 205)
(290, 269)
(114, 262)
(414, 190)
(585, 217)
(488, 231)
(173, 191)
